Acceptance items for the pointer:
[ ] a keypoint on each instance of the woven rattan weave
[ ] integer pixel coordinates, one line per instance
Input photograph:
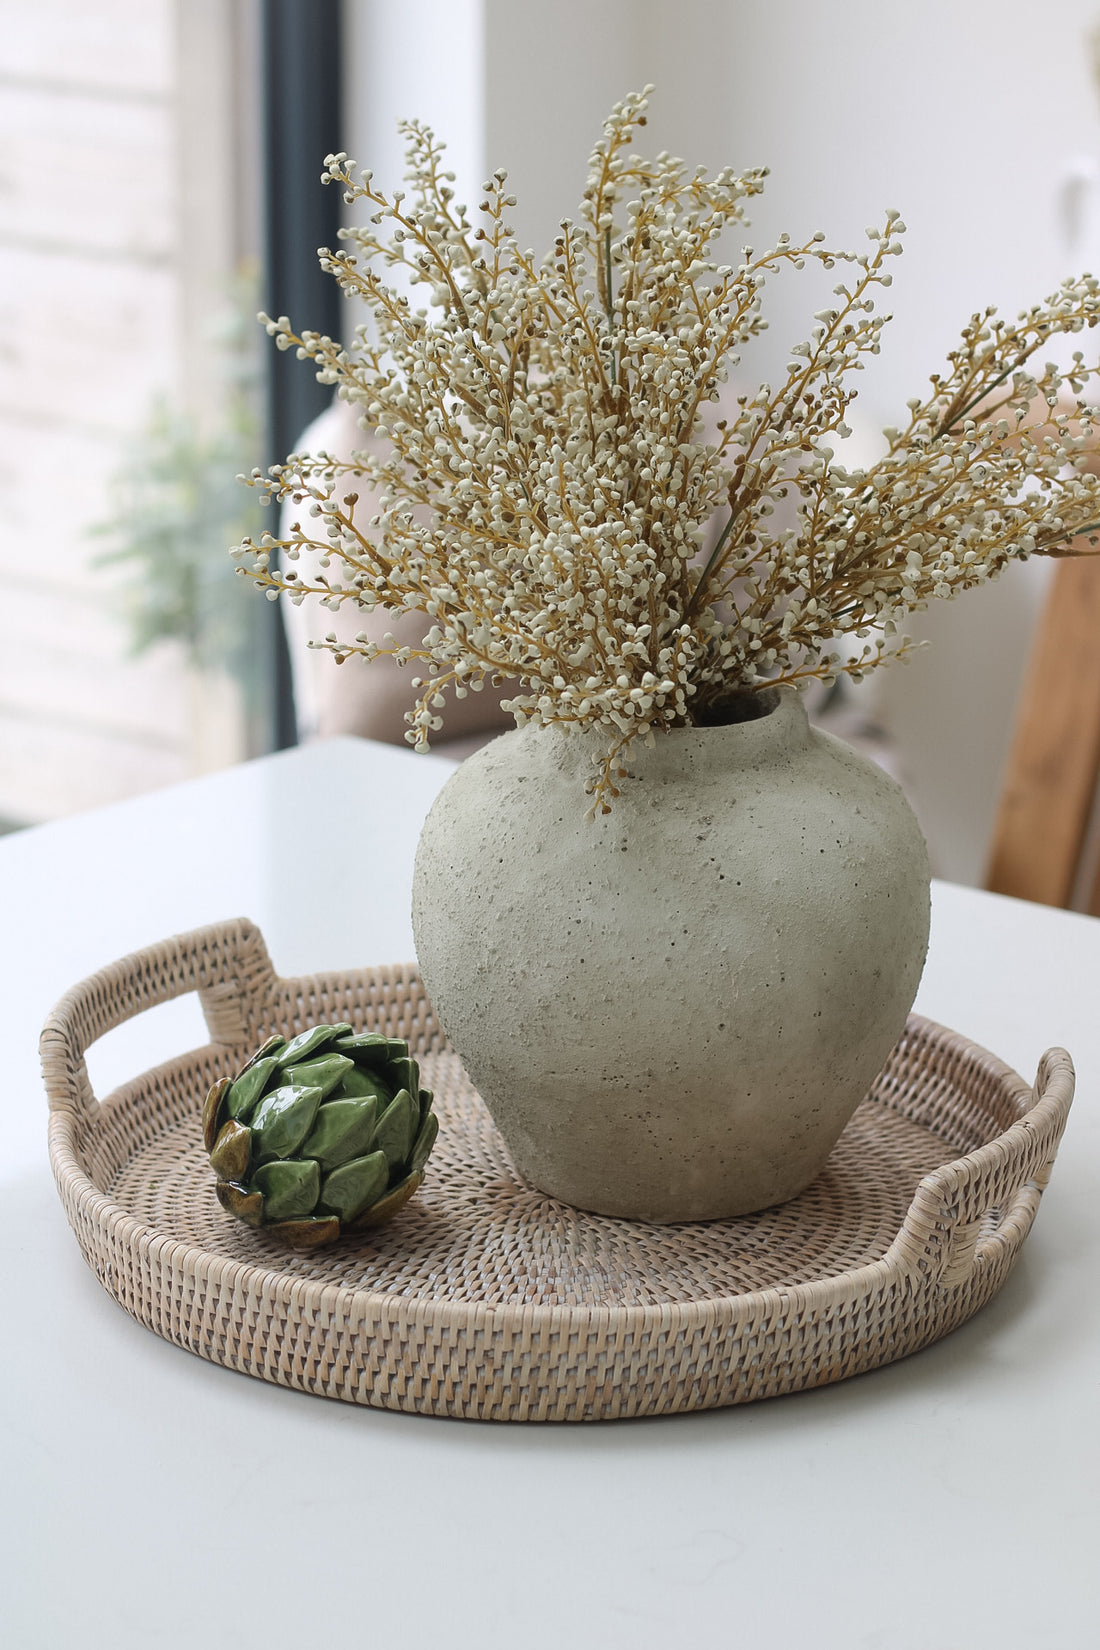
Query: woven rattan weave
(487, 1299)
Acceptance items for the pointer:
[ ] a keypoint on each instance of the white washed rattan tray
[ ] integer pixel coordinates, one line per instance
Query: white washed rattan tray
(487, 1299)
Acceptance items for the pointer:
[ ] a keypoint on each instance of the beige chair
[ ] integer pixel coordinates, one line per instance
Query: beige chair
(1046, 836)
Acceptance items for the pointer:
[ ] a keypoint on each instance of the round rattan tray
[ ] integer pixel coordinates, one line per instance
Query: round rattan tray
(486, 1299)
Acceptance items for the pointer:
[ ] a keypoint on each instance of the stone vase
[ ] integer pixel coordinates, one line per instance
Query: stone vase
(672, 1011)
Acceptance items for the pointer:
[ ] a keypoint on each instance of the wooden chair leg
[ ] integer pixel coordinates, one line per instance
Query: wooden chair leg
(1053, 769)
(1093, 906)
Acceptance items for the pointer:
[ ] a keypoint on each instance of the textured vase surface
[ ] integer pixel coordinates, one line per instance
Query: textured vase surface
(673, 1010)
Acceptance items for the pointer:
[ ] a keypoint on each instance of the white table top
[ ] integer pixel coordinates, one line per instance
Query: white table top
(152, 1499)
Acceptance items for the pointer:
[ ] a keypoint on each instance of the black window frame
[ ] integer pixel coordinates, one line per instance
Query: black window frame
(301, 122)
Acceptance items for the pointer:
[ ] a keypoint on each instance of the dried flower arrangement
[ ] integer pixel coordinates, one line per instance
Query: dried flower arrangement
(550, 480)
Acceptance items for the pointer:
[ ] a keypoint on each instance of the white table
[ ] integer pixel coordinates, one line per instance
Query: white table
(150, 1499)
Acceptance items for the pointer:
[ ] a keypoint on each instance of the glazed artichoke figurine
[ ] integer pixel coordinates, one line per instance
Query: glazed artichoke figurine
(327, 1133)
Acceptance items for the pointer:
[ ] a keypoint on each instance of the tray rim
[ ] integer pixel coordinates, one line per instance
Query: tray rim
(938, 1250)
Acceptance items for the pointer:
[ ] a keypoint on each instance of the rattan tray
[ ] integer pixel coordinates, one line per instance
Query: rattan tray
(487, 1299)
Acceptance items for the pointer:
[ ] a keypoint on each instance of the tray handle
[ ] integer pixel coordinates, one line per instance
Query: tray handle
(226, 964)
(947, 1234)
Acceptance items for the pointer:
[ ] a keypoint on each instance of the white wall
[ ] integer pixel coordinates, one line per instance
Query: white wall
(422, 60)
(965, 116)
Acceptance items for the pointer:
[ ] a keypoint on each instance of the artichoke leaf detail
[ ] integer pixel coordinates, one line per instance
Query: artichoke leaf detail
(325, 1133)
(230, 1153)
(308, 1043)
(245, 1090)
(324, 1073)
(397, 1128)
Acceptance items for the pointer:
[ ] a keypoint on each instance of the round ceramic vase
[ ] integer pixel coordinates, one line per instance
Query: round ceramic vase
(672, 1011)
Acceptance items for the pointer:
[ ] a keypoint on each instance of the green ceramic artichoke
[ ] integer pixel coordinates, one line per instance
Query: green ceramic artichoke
(325, 1134)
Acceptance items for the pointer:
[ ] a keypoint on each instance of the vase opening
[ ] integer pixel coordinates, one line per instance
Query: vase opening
(745, 705)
